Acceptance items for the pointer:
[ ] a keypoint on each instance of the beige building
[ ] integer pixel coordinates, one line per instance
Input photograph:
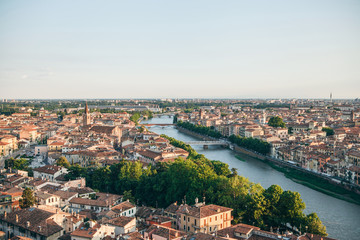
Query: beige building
(44, 198)
(204, 218)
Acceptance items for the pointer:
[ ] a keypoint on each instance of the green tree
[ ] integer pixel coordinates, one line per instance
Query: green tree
(290, 130)
(329, 131)
(75, 171)
(135, 117)
(20, 164)
(28, 198)
(291, 207)
(276, 122)
(314, 225)
(256, 209)
(251, 143)
(220, 168)
(62, 161)
(273, 215)
(128, 196)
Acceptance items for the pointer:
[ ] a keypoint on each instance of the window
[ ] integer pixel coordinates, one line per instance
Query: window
(210, 229)
(188, 228)
(210, 219)
(215, 218)
(184, 227)
(184, 218)
(195, 222)
(205, 222)
(188, 219)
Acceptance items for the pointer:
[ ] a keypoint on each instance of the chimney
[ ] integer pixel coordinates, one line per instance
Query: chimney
(5, 214)
(27, 224)
(16, 218)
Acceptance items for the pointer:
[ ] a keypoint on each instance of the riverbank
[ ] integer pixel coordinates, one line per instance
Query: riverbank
(309, 179)
(318, 184)
(312, 180)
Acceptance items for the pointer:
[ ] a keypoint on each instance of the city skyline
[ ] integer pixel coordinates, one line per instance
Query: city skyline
(203, 49)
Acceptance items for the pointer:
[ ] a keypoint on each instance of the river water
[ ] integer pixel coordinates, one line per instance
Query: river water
(342, 219)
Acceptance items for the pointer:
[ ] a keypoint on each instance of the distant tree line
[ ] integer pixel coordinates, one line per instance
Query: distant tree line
(254, 144)
(200, 129)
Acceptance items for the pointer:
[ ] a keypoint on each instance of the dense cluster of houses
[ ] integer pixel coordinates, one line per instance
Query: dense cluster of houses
(88, 139)
(303, 141)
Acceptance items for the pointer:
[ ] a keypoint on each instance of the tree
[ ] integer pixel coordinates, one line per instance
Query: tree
(20, 164)
(291, 207)
(273, 195)
(329, 131)
(28, 198)
(62, 161)
(128, 196)
(135, 117)
(314, 225)
(276, 122)
(290, 130)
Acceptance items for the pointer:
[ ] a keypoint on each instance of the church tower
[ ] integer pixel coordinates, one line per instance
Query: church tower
(86, 116)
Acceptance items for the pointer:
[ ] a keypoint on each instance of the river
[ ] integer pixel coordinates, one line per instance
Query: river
(341, 218)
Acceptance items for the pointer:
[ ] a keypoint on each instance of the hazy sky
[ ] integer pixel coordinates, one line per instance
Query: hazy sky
(194, 48)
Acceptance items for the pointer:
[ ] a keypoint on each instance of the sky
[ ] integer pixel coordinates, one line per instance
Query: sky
(179, 49)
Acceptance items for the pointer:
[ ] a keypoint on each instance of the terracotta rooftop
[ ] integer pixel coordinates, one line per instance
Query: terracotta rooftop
(33, 219)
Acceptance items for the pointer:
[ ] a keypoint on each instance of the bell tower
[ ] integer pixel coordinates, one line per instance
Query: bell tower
(86, 116)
